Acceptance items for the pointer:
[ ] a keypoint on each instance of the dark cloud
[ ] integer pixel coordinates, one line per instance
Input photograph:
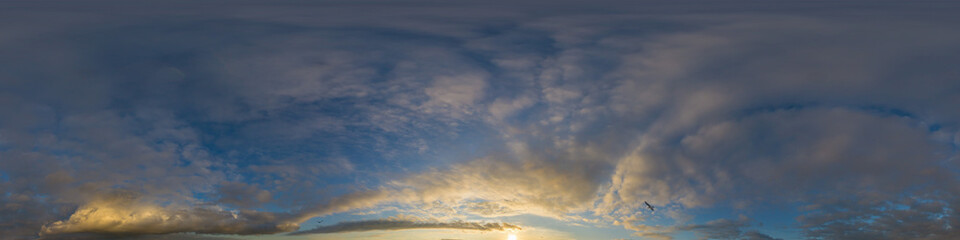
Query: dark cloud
(94, 236)
(921, 216)
(402, 224)
(726, 229)
(718, 229)
(755, 235)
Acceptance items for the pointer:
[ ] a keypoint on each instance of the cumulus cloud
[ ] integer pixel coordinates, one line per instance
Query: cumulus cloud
(406, 222)
(126, 214)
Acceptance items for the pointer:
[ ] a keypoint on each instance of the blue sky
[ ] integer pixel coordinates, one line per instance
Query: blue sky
(479, 120)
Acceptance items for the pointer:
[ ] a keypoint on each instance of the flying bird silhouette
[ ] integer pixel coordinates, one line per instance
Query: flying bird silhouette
(648, 206)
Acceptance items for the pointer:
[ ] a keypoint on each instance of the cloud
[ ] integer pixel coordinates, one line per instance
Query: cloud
(928, 216)
(404, 222)
(504, 186)
(715, 229)
(502, 108)
(718, 229)
(755, 235)
(821, 150)
(725, 229)
(125, 213)
(822, 142)
(103, 156)
(242, 194)
(93, 236)
(486, 187)
(565, 112)
(455, 93)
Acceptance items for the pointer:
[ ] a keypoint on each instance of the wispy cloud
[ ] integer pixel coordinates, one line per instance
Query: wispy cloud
(401, 223)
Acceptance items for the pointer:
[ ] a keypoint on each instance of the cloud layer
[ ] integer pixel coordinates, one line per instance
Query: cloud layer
(254, 118)
(125, 214)
(402, 223)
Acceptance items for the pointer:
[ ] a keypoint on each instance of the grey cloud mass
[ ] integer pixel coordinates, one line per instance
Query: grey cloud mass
(93, 236)
(726, 229)
(139, 120)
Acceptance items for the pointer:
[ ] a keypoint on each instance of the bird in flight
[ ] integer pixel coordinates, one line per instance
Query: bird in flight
(321, 221)
(648, 206)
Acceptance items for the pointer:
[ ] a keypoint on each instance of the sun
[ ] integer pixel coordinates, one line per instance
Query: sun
(512, 237)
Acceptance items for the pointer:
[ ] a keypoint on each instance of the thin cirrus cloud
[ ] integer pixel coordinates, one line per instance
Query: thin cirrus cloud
(838, 119)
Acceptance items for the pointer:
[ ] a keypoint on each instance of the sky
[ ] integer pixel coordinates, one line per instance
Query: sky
(479, 120)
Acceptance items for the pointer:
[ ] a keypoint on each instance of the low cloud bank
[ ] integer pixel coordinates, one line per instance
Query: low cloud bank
(403, 223)
(124, 214)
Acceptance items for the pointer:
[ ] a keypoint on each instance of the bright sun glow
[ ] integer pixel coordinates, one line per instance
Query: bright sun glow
(512, 237)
